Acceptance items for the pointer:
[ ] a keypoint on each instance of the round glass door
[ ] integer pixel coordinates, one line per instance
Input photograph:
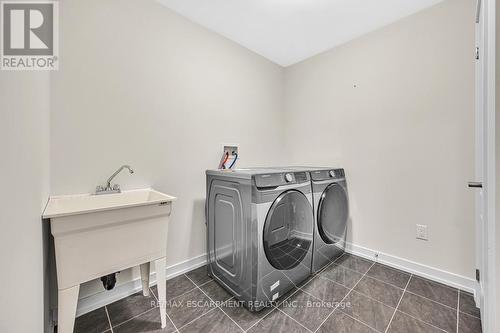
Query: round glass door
(288, 230)
(333, 212)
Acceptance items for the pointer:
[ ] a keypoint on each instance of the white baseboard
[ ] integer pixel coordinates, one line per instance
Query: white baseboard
(100, 299)
(431, 273)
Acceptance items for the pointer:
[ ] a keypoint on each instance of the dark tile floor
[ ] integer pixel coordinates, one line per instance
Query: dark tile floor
(350, 295)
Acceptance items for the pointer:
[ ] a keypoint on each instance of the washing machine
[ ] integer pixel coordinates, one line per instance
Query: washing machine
(331, 215)
(260, 230)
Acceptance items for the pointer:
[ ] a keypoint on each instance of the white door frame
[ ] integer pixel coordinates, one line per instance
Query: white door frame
(485, 164)
(490, 323)
(479, 152)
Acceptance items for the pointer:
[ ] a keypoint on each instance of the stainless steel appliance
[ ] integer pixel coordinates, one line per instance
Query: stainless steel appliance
(331, 214)
(260, 232)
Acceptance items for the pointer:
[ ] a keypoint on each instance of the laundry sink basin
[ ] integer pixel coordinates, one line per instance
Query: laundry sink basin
(67, 205)
(97, 235)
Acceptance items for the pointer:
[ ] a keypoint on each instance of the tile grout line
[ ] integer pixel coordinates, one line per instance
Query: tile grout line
(458, 307)
(319, 299)
(351, 289)
(415, 275)
(347, 287)
(305, 292)
(409, 315)
(388, 283)
(330, 263)
(201, 284)
(411, 275)
(371, 277)
(371, 298)
(109, 319)
(217, 306)
(359, 321)
(373, 263)
(275, 308)
(442, 284)
(424, 322)
(366, 274)
(298, 289)
(470, 315)
(431, 300)
(316, 297)
(398, 270)
(197, 287)
(318, 273)
(192, 321)
(190, 290)
(287, 315)
(258, 321)
(224, 312)
(343, 299)
(418, 319)
(138, 315)
(154, 295)
(176, 329)
(399, 303)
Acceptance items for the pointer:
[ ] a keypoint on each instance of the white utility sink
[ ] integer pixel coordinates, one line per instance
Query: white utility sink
(96, 235)
(88, 203)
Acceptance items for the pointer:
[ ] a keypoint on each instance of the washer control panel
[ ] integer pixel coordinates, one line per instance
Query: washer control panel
(280, 179)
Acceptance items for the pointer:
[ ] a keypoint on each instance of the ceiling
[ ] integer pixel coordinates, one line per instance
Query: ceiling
(289, 31)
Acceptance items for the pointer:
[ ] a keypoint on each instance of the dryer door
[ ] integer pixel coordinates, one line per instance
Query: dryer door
(288, 230)
(333, 212)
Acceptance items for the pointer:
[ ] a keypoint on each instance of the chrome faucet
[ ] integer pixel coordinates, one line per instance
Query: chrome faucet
(107, 189)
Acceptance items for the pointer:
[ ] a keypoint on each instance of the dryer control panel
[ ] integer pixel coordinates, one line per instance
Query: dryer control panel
(327, 174)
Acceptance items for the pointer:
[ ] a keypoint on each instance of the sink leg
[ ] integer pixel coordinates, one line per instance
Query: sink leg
(162, 291)
(145, 278)
(66, 309)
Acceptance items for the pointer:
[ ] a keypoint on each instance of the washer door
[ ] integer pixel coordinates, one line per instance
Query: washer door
(333, 212)
(288, 230)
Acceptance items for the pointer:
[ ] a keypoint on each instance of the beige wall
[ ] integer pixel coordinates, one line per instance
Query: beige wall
(395, 108)
(24, 175)
(138, 84)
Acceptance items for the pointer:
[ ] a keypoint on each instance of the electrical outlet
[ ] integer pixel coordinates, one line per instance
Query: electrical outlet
(422, 232)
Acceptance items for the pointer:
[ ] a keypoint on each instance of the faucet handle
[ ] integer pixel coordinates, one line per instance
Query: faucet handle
(116, 187)
(99, 188)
